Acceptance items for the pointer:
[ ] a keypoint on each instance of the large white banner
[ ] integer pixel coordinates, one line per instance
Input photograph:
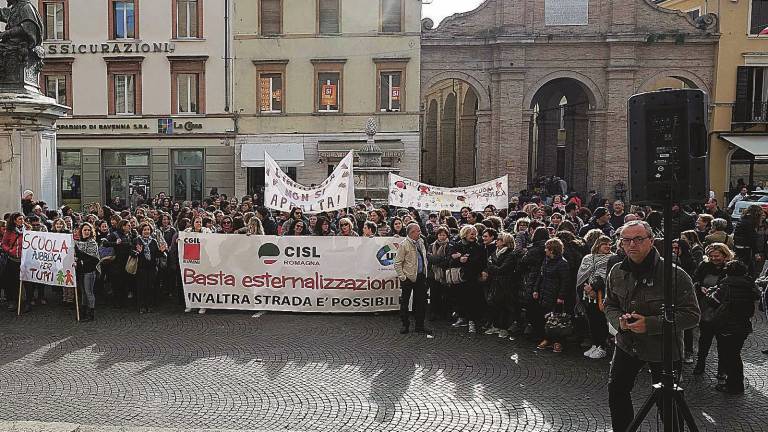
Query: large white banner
(336, 192)
(48, 258)
(405, 192)
(296, 274)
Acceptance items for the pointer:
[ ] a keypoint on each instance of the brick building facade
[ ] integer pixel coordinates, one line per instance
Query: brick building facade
(534, 88)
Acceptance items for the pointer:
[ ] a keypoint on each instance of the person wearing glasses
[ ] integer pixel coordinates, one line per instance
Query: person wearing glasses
(633, 306)
(346, 229)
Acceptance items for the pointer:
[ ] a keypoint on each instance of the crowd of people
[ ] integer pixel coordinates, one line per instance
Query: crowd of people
(539, 270)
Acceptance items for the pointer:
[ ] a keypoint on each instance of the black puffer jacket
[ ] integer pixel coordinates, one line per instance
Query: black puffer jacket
(553, 283)
(739, 294)
(530, 268)
(474, 264)
(503, 276)
(706, 276)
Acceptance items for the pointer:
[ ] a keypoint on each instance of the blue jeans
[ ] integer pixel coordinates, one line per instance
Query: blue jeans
(89, 281)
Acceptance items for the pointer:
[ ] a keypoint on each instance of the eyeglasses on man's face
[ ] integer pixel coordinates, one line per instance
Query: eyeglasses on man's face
(633, 240)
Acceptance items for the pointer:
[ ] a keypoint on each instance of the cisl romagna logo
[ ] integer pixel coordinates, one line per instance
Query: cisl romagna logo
(269, 252)
(191, 252)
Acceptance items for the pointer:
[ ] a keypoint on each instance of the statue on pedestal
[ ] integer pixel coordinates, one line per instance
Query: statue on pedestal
(21, 53)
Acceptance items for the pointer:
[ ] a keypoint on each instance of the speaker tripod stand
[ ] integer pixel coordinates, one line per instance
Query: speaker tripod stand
(666, 394)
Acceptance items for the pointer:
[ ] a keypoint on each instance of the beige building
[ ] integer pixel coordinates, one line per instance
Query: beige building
(309, 73)
(738, 139)
(147, 84)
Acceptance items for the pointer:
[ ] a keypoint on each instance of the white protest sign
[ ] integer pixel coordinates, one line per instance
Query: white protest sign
(336, 192)
(294, 274)
(405, 192)
(48, 258)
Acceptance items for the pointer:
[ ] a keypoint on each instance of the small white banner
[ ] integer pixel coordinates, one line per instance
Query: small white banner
(336, 192)
(48, 258)
(293, 274)
(405, 192)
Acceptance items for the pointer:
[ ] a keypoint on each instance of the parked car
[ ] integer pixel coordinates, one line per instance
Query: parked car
(754, 198)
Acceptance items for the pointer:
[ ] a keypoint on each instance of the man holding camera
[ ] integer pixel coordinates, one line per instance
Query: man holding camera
(634, 306)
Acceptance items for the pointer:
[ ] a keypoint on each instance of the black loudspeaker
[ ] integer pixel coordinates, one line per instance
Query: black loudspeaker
(668, 146)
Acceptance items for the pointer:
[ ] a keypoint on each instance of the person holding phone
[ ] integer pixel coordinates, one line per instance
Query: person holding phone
(634, 306)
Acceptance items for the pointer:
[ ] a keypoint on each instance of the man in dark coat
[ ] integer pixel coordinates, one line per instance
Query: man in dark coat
(633, 305)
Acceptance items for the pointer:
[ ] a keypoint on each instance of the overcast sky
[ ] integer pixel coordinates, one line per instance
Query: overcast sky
(440, 9)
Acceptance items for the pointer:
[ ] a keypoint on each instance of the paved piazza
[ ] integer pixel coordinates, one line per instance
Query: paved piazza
(284, 372)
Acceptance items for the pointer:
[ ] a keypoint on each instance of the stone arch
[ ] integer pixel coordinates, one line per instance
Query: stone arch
(429, 154)
(686, 76)
(484, 98)
(591, 89)
(446, 174)
(466, 156)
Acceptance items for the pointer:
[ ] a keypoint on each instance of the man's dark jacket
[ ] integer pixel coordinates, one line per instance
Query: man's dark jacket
(628, 293)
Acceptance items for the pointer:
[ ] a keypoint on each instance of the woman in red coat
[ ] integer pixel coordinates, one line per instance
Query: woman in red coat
(11, 246)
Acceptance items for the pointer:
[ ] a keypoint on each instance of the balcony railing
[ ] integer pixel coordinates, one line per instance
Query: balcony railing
(752, 112)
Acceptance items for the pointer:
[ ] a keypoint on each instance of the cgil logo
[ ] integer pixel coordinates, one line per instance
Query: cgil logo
(191, 253)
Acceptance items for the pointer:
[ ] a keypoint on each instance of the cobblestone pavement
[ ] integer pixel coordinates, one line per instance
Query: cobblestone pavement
(291, 372)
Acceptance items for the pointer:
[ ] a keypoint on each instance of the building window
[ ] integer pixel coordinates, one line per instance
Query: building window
(390, 82)
(56, 88)
(188, 175)
(56, 81)
(126, 176)
(391, 16)
(56, 20)
(123, 19)
(271, 93)
(188, 78)
(125, 94)
(390, 91)
(328, 16)
(271, 17)
(329, 87)
(187, 91)
(751, 103)
(759, 17)
(188, 19)
(124, 76)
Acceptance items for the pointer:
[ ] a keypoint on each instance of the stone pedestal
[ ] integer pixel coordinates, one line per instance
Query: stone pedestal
(28, 148)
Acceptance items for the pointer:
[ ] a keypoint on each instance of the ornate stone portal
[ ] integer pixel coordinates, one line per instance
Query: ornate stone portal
(27, 117)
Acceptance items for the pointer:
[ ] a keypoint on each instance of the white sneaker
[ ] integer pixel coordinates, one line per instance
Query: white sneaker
(459, 323)
(503, 333)
(598, 353)
(201, 311)
(187, 310)
(492, 330)
(472, 327)
(589, 352)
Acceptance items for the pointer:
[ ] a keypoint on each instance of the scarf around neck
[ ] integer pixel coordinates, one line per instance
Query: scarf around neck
(89, 247)
(145, 249)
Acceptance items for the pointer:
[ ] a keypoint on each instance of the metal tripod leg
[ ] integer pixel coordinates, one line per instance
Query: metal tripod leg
(653, 398)
(682, 406)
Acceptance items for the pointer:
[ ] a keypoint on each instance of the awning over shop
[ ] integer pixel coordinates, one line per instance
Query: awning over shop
(754, 144)
(286, 155)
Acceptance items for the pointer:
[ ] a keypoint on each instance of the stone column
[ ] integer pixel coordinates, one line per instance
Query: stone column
(483, 143)
(509, 150)
(28, 148)
(620, 87)
(595, 150)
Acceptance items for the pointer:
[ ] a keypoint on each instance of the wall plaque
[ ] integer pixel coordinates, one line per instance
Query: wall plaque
(566, 12)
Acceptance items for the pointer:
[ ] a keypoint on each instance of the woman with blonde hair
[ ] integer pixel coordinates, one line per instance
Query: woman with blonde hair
(707, 275)
(468, 255)
(591, 288)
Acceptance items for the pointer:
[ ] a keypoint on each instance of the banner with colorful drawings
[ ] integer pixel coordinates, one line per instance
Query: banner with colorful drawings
(404, 192)
(334, 193)
(48, 258)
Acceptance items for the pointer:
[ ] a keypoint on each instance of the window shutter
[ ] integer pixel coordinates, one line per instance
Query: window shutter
(391, 20)
(270, 17)
(329, 16)
(741, 110)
